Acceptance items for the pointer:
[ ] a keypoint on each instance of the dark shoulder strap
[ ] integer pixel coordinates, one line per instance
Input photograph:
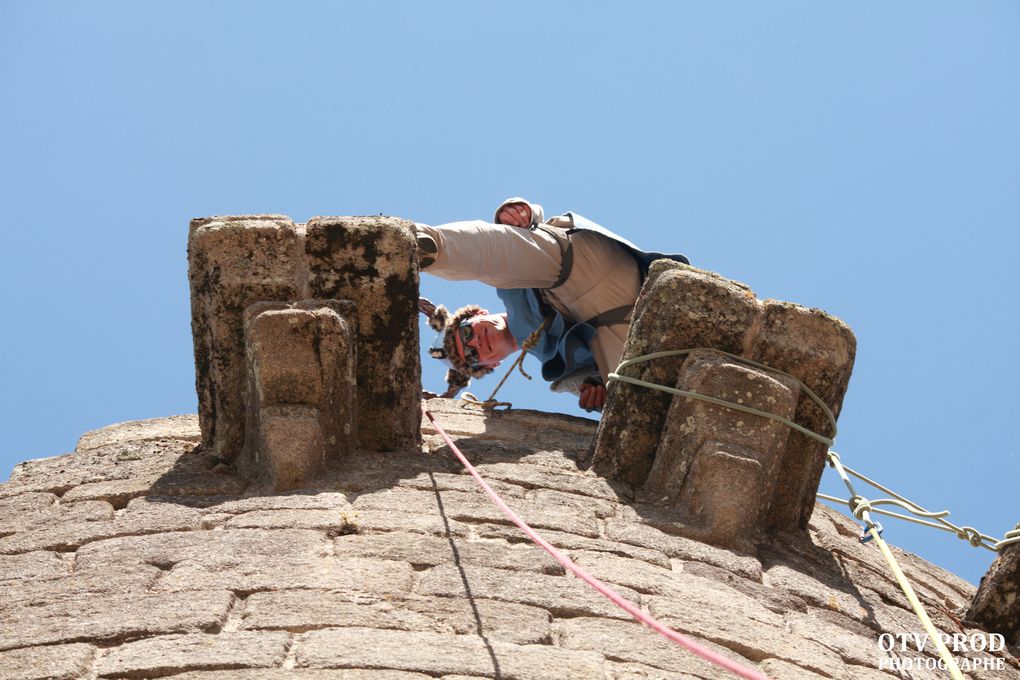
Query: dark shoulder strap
(566, 254)
(612, 317)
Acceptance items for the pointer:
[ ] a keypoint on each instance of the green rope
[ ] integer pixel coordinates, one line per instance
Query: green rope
(859, 506)
(828, 441)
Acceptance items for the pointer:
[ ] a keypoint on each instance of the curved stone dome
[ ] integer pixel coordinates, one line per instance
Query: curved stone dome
(130, 559)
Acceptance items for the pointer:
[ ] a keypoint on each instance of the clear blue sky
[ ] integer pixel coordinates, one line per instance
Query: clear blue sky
(863, 158)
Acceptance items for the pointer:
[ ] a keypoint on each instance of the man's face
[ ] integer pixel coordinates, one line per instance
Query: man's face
(487, 337)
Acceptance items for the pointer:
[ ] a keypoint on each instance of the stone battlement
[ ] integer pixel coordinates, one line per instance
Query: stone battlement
(306, 339)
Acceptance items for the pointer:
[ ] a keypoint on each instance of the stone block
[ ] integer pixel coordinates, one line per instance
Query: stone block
(113, 617)
(204, 547)
(300, 394)
(718, 466)
(242, 574)
(232, 263)
(169, 654)
(472, 507)
(304, 674)
(329, 520)
(561, 595)
(711, 611)
(373, 261)
(819, 350)
(131, 578)
(565, 541)
(627, 641)
(629, 530)
(443, 655)
(432, 551)
(658, 440)
(301, 610)
(996, 606)
(39, 564)
(67, 537)
(55, 662)
(680, 307)
(171, 427)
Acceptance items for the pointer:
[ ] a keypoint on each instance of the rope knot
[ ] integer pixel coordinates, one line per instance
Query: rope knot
(969, 534)
(858, 506)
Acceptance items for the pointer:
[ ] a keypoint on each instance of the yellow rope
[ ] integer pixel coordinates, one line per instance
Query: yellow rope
(861, 509)
(929, 627)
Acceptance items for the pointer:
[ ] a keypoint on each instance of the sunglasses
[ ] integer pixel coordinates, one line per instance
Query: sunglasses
(466, 332)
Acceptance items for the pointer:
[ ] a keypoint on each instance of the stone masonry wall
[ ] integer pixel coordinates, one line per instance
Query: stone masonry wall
(367, 263)
(128, 559)
(696, 457)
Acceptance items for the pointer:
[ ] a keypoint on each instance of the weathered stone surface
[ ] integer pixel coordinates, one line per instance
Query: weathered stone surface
(863, 563)
(113, 617)
(711, 455)
(641, 577)
(639, 671)
(55, 662)
(534, 476)
(710, 446)
(430, 551)
(819, 350)
(385, 521)
(373, 261)
(169, 654)
(329, 520)
(32, 510)
(774, 599)
(131, 578)
(838, 534)
(233, 262)
(715, 612)
(565, 541)
(819, 588)
(302, 610)
(629, 530)
(475, 507)
(303, 674)
(561, 595)
(801, 606)
(854, 642)
(774, 668)
(628, 642)
(202, 547)
(130, 461)
(171, 427)
(301, 389)
(687, 308)
(140, 518)
(443, 654)
(304, 500)
(561, 434)
(240, 574)
(117, 493)
(996, 605)
(39, 564)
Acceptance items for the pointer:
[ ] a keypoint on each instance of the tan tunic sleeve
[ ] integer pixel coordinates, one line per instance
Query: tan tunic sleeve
(495, 254)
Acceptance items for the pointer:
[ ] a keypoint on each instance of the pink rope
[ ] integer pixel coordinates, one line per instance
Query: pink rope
(602, 588)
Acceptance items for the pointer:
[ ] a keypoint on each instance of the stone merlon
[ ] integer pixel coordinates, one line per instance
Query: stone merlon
(351, 282)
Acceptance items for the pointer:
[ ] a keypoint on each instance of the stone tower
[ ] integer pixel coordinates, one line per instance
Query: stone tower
(307, 524)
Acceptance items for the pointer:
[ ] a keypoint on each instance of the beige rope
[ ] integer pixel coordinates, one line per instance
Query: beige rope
(471, 401)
